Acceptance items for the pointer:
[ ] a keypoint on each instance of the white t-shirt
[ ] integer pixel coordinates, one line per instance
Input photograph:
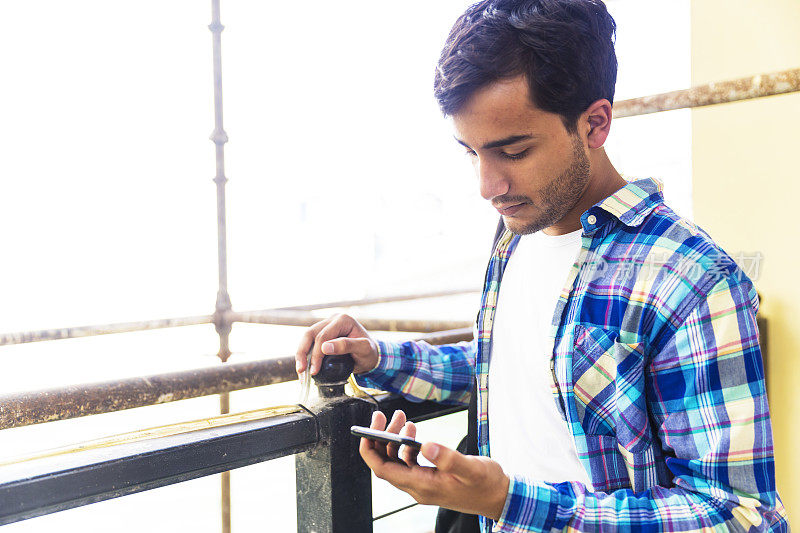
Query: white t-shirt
(527, 435)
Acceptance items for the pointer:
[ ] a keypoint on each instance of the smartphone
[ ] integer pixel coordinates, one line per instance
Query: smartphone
(384, 436)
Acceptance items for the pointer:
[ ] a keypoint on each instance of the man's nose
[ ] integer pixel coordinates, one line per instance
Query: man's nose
(492, 182)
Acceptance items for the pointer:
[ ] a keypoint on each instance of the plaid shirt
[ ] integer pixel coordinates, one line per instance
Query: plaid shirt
(657, 372)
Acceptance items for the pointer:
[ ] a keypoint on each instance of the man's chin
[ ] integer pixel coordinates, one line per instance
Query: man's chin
(520, 226)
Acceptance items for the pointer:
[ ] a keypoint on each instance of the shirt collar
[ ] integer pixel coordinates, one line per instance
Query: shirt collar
(630, 204)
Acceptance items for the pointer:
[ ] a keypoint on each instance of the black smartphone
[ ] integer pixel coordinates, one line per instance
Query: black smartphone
(384, 436)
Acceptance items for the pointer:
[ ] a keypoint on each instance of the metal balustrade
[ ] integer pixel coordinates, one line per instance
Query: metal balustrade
(333, 484)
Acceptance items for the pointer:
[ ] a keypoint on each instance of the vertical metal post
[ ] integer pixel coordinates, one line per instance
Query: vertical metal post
(334, 486)
(225, 477)
(223, 305)
(219, 137)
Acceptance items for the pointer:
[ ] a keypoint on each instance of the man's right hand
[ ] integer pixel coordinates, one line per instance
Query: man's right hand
(339, 334)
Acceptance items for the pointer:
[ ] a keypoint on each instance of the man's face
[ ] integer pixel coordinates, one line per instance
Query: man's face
(529, 167)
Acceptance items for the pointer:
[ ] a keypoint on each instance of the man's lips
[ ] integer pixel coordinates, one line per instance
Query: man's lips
(510, 209)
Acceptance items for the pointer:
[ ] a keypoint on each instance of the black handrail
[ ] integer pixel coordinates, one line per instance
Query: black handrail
(333, 483)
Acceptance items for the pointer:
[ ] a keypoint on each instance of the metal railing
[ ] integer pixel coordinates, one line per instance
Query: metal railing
(72, 401)
(333, 483)
(724, 92)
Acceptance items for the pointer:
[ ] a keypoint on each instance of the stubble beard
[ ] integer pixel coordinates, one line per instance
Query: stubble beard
(560, 195)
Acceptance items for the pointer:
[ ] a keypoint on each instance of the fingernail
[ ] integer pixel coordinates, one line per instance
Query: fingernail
(434, 452)
(297, 366)
(374, 415)
(327, 348)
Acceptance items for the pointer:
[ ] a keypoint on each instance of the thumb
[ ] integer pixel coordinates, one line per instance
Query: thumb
(446, 459)
(357, 347)
(362, 350)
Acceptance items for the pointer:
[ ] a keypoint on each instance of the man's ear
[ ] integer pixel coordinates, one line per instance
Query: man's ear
(596, 122)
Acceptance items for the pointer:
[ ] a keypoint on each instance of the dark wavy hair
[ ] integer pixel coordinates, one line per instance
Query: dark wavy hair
(564, 48)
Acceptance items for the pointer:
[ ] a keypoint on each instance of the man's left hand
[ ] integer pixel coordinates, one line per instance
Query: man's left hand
(474, 485)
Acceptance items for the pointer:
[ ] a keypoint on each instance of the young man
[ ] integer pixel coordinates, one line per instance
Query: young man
(620, 382)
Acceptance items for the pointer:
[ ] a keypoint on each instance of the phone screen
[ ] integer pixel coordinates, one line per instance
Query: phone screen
(384, 436)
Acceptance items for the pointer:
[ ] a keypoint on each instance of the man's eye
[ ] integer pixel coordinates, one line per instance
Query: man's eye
(518, 155)
(513, 157)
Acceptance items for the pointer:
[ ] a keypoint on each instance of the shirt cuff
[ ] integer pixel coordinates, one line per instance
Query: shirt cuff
(388, 362)
(523, 512)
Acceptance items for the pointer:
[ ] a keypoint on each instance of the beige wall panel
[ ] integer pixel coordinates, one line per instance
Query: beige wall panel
(746, 186)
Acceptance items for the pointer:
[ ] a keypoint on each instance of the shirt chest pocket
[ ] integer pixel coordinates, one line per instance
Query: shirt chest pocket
(609, 387)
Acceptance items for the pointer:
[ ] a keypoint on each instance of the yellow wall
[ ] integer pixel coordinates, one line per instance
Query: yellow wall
(746, 187)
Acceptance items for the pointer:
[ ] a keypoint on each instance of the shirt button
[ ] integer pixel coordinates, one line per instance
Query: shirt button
(591, 219)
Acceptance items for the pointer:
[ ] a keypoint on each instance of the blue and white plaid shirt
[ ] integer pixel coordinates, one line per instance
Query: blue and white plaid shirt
(657, 371)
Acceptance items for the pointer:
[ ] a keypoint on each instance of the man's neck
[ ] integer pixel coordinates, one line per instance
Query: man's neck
(604, 181)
